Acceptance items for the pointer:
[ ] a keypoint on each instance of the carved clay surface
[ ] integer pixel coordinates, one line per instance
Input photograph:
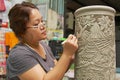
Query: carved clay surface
(95, 59)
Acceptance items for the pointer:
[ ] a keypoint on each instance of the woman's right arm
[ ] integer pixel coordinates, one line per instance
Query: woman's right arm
(69, 49)
(37, 73)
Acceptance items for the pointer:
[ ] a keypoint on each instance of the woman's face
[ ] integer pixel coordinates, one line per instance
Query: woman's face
(36, 29)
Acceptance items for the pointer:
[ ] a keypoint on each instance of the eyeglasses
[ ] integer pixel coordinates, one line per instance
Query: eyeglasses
(38, 26)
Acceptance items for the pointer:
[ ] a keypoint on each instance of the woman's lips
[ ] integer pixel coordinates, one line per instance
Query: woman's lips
(43, 32)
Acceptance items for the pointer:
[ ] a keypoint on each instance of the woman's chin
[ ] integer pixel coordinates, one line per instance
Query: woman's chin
(45, 37)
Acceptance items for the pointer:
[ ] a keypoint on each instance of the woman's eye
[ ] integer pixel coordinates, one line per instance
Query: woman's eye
(42, 21)
(35, 24)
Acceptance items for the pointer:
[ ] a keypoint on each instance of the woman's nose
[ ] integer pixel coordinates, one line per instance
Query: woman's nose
(42, 27)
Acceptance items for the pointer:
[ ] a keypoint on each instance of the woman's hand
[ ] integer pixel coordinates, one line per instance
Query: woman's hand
(70, 45)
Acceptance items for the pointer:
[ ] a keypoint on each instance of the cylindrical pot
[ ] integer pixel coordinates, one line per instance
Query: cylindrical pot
(95, 30)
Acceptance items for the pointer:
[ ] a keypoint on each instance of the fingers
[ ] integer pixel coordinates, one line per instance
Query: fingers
(68, 39)
(72, 39)
(70, 36)
(70, 45)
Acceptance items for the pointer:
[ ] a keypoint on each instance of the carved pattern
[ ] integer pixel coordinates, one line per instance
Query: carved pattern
(95, 59)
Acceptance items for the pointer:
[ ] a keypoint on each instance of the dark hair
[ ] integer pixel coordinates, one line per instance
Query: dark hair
(19, 17)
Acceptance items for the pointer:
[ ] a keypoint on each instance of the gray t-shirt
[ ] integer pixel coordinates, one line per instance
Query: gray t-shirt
(22, 58)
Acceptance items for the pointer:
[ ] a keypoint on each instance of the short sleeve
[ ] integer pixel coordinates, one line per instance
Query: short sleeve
(19, 61)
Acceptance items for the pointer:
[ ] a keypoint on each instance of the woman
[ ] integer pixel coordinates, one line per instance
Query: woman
(31, 59)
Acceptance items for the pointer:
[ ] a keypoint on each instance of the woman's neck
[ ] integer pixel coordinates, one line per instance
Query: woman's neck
(36, 47)
(32, 44)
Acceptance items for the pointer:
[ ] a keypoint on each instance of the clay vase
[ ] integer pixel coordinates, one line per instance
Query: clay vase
(95, 30)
